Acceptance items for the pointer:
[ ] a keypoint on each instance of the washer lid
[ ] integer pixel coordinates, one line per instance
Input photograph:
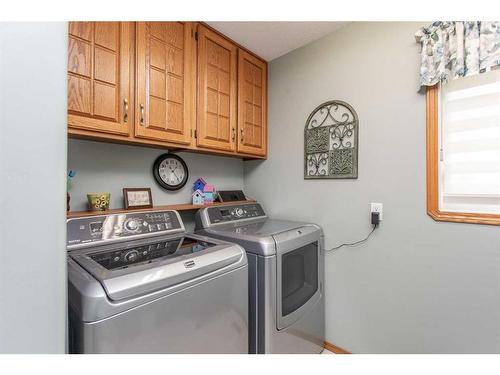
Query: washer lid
(135, 270)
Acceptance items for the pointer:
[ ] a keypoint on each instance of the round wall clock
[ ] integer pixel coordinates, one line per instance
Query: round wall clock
(170, 171)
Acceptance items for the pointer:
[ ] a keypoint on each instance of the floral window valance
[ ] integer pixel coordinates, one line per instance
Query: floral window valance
(457, 49)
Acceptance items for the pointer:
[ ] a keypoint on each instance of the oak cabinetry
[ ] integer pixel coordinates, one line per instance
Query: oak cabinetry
(217, 85)
(176, 85)
(252, 104)
(165, 78)
(99, 76)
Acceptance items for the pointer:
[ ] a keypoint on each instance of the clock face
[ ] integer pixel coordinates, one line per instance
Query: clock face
(170, 171)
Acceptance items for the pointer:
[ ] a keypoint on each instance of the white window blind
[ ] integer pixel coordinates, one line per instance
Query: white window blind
(470, 144)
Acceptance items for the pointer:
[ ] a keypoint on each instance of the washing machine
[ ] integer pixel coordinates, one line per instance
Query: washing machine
(286, 275)
(138, 283)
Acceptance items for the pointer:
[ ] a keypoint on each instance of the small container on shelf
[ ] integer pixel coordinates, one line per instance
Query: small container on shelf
(198, 198)
(209, 193)
(199, 184)
(98, 201)
(71, 174)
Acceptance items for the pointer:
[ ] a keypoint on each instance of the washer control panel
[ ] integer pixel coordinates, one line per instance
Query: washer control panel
(95, 229)
(175, 247)
(223, 214)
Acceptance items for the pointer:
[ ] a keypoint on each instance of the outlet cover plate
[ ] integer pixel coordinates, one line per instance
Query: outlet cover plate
(377, 207)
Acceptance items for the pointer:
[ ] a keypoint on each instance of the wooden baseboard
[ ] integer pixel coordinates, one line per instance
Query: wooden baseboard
(335, 349)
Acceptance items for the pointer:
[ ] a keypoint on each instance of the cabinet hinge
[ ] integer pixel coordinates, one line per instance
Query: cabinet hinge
(194, 134)
(196, 35)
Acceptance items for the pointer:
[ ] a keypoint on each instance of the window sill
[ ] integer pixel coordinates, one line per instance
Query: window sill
(464, 217)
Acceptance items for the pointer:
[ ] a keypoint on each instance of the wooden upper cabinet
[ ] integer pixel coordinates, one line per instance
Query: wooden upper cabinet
(165, 84)
(252, 104)
(99, 83)
(165, 81)
(217, 91)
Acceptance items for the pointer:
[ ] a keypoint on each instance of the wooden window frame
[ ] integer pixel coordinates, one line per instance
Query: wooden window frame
(433, 171)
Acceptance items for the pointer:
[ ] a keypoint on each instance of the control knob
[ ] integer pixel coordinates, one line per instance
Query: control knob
(239, 212)
(131, 256)
(132, 225)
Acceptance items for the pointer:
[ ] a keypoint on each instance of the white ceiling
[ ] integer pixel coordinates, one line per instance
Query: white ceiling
(270, 40)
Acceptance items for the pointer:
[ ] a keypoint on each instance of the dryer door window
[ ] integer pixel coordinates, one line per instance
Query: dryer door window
(299, 277)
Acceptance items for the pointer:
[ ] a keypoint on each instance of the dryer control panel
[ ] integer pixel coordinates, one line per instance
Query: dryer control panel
(222, 214)
(113, 228)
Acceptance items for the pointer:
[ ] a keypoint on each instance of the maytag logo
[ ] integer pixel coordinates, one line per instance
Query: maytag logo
(189, 264)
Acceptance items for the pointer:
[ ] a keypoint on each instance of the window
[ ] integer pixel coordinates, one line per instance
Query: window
(463, 149)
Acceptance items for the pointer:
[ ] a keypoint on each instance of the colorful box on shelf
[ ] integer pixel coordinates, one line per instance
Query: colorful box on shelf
(199, 184)
(198, 198)
(209, 193)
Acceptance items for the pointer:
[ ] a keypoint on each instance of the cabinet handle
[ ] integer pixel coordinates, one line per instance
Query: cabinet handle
(125, 110)
(242, 135)
(142, 115)
(234, 134)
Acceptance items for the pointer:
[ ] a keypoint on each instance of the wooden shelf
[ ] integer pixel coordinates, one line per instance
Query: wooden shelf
(176, 207)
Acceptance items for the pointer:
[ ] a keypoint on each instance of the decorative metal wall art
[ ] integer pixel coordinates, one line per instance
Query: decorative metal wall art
(331, 142)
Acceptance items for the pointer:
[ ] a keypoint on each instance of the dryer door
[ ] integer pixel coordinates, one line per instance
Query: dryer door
(299, 273)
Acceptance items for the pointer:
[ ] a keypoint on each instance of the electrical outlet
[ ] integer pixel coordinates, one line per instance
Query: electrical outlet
(377, 207)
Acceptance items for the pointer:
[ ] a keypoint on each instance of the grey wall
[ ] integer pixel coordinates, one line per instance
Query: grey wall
(32, 187)
(111, 167)
(417, 286)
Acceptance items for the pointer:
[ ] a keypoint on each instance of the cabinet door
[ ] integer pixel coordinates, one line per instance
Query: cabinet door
(217, 85)
(99, 84)
(252, 104)
(165, 92)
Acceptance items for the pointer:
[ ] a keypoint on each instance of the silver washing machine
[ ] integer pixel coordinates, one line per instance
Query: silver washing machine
(137, 283)
(286, 276)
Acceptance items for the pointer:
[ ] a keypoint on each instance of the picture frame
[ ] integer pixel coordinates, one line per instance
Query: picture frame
(134, 198)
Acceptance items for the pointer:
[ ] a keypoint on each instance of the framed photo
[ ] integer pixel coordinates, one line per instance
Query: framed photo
(137, 198)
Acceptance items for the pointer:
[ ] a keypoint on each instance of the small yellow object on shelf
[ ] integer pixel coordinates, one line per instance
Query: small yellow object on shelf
(98, 201)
